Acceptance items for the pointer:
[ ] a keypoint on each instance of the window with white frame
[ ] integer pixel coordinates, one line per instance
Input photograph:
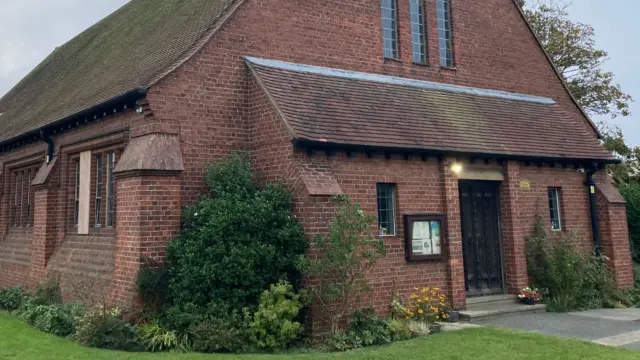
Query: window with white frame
(445, 48)
(389, 28)
(554, 209)
(386, 208)
(418, 34)
(95, 206)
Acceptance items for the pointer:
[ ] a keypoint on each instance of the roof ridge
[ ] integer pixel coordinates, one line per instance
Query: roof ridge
(394, 80)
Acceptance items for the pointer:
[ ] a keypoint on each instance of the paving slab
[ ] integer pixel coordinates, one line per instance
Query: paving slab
(611, 314)
(590, 328)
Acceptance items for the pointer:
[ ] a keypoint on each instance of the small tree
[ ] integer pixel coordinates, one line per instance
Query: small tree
(337, 270)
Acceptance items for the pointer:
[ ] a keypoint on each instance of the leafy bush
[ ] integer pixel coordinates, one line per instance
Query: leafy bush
(11, 298)
(399, 330)
(368, 328)
(631, 193)
(104, 328)
(156, 338)
(220, 335)
(338, 275)
(572, 279)
(48, 292)
(236, 241)
(181, 318)
(54, 319)
(153, 285)
(343, 341)
(272, 326)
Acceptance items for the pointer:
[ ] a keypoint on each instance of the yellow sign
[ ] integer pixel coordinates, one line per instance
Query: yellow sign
(525, 184)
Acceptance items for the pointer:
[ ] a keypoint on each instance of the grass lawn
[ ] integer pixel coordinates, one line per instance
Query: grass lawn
(18, 341)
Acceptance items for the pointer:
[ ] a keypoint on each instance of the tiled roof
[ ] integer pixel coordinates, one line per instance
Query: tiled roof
(130, 49)
(332, 106)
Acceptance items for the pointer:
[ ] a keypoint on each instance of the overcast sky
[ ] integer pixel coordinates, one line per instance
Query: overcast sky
(31, 29)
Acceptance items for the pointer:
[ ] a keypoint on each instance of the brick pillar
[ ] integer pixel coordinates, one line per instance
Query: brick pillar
(148, 217)
(44, 234)
(455, 262)
(513, 233)
(614, 233)
(45, 186)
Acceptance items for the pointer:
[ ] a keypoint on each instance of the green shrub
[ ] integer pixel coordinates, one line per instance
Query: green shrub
(399, 330)
(48, 292)
(156, 338)
(11, 298)
(181, 318)
(343, 341)
(273, 326)
(368, 328)
(116, 334)
(54, 319)
(153, 285)
(571, 279)
(236, 241)
(631, 193)
(349, 250)
(220, 336)
(104, 329)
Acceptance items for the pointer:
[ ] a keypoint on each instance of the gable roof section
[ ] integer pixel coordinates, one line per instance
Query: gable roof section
(130, 49)
(332, 106)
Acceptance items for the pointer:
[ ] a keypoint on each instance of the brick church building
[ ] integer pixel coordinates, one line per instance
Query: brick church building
(444, 118)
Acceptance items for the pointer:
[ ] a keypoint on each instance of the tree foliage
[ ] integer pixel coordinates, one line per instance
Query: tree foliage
(631, 193)
(236, 241)
(572, 48)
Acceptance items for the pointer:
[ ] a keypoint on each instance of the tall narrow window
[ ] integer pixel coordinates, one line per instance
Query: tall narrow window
(16, 198)
(20, 198)
(444, 32)
(389, 28)
(386, 208)
(554, 209)
(29, 222)
(111, 180)
(98, 189)
(418, 36)
(76, 210)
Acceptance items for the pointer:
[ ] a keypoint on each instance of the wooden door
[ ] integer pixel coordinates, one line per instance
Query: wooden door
(481, 245)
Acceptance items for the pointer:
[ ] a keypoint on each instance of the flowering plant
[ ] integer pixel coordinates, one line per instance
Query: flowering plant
(427, 305)
(530, 293)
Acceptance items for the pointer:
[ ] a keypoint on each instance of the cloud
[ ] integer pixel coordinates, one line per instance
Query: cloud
(31, 29)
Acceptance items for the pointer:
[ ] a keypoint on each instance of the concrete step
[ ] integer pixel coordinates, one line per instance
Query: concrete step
(483, 309)
(503, 299)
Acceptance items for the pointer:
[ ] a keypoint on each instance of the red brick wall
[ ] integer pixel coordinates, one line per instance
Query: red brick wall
(15, 258)
(205, 98)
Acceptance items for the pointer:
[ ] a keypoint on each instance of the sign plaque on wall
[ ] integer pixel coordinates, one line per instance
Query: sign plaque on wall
(525, 184)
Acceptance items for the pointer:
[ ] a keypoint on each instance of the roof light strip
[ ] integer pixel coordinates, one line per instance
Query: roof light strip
(427, 85)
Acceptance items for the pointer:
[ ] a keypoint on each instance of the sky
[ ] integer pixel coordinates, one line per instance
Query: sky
(31, 29)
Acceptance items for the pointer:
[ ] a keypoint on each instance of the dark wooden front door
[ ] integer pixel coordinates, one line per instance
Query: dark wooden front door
(479, 203)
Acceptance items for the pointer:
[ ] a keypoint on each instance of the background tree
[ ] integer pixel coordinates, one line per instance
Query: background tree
(571, 46)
